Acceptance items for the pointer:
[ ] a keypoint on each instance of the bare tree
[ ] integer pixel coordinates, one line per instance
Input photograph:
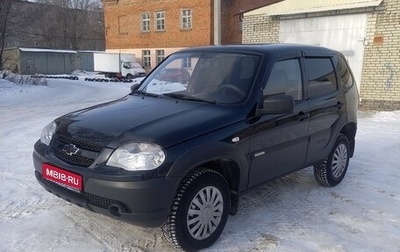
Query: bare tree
(74, 22)
(58, 24)
(17, 17)
(75, 4)
(5, 9)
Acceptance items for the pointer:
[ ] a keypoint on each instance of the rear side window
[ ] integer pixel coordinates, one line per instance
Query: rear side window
(321, 76)
(344, 74)
(285, 78)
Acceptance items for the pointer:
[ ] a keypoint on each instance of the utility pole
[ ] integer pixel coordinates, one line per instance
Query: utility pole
(217, 22)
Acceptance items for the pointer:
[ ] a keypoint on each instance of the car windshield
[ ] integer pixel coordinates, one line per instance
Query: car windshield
(217, 77)
(127, 65)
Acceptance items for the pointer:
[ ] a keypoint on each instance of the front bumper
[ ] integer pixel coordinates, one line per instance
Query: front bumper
(143, 203)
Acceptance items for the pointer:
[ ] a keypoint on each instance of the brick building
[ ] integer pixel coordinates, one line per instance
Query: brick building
(152, 29)
(366, 31)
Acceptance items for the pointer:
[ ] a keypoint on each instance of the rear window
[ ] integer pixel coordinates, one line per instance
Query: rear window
(345, 76)
(321, 76)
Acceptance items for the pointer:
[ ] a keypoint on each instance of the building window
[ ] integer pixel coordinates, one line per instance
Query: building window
(187, 63)
(160, 56)
(145, 22)
(160, 21)
(146, 59)
(186, 19)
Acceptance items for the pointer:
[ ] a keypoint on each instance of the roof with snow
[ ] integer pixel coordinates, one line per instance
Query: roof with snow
(46, 50)
(288, 7)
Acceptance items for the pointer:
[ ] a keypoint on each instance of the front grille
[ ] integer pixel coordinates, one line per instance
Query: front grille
(73, 159)
(84, 157)
(104, 202)
(80, 143)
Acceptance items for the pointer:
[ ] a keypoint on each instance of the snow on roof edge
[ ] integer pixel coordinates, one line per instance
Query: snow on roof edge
(24, 49)
(285, 8)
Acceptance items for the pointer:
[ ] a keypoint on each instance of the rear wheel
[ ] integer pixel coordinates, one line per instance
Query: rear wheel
(333, 169)
(199, 211)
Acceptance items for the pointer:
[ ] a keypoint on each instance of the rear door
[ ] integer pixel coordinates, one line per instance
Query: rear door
(279, 142)
(327, 105)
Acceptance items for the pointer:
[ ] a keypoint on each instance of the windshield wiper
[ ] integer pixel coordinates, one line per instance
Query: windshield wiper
(145, 93)
(187, 98)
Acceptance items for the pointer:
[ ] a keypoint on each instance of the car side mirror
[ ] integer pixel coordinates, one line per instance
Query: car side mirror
(277, 104)
(135, 87)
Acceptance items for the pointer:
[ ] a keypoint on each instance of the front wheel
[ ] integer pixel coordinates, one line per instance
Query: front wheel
(199, 211)
(333, 169)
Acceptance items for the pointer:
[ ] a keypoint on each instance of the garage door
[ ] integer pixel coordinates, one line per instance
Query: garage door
(344, 33)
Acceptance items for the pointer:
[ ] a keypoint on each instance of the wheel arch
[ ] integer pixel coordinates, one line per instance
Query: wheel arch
(349, 130)
(226, 159)
(129, 76)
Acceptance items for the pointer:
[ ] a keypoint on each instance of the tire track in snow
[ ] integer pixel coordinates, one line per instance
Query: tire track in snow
(115, 235)
(34, 199)
(22, 209)
(277, 192)
(263, 209)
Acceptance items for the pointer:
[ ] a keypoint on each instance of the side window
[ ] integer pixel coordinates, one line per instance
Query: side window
(344, 74)
(285, 78)
(321, 76)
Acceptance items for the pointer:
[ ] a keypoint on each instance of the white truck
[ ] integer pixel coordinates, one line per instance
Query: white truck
(117, 65)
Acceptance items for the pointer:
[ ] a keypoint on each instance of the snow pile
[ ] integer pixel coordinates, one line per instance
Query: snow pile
(23, 79)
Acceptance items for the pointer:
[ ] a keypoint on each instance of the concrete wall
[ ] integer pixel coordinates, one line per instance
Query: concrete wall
(85, 61)
(11, 60)
(40, 62)
(46, 63)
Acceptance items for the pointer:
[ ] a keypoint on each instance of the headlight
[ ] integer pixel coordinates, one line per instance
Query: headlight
(47, 133)
(137, 157)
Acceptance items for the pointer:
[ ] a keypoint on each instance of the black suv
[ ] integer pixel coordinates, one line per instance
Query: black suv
(178, 155)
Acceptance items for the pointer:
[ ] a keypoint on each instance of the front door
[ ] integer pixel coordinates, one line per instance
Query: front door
(279, 142)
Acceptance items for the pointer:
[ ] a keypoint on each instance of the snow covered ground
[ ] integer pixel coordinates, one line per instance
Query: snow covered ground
(290, 214)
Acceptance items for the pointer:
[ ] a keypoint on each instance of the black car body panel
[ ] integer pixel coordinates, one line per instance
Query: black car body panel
(221, 128)
(114, 123)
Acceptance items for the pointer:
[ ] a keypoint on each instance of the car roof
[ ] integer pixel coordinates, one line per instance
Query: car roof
(264, 48)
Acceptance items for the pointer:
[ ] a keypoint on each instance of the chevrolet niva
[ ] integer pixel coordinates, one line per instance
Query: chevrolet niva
(179, 154)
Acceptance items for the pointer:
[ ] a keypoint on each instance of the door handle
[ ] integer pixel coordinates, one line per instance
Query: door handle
(339, 105)
(303, 116)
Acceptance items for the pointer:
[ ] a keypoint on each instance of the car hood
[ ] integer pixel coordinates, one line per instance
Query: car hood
(161, 120)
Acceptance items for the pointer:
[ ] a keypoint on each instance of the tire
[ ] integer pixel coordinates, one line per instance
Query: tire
(199, 211)
(333, 169)
(129, 76)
